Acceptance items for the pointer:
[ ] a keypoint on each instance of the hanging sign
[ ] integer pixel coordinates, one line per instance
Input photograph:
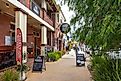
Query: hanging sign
(80, 59)
(19, 45)
(35, 8)
(65, 28)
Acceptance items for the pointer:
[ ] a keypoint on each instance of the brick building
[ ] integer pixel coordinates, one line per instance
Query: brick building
(39, 21)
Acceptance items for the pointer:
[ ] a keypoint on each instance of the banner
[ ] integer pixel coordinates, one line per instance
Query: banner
(19, 45)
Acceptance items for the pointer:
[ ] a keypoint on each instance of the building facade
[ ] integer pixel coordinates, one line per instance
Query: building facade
(59, 42)
(39, 24)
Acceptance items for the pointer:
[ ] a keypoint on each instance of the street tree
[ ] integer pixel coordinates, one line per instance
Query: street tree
(98, 22)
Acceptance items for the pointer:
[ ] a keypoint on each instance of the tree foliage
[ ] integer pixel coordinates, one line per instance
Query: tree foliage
(99, 22)
(100, 29)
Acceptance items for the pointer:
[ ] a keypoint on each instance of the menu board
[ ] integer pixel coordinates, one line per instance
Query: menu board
(79, 59)
(38, 63)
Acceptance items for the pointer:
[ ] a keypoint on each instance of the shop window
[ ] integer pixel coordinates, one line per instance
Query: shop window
(12, 27)
(49, 38)
(48, 41)
(13, 38)
(12, 33)
(58, 17)
(36, 34)
(53, 17)
(53, 40)
(7, 59)
(61, 21)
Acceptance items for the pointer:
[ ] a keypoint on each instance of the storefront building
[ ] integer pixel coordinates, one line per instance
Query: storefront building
(37, 20)
(59, 41)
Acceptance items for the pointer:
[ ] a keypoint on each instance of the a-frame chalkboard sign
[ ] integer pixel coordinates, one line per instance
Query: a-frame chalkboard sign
(39, 64)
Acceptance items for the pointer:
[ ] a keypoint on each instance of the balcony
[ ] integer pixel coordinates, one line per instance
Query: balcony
(57, 24)
(47, 18)
(33, 6)
(25, 3)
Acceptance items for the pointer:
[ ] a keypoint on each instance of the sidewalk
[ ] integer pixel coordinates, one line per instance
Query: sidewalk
(63, 70)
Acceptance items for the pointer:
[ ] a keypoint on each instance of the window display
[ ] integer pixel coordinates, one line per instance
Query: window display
(7, 59)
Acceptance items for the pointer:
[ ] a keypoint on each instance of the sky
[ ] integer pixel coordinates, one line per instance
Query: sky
(68, 14)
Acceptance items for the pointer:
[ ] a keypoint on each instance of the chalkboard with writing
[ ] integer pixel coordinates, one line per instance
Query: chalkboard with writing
(80, 59)
(38, 63)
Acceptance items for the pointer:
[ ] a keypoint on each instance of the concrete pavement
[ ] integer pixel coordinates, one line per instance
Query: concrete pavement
(63, 70)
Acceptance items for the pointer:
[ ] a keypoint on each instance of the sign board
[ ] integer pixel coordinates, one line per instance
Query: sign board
(38, 63)
(8, 40)
(19, 45)
(35, 8)
(80, 59)
(65, 28)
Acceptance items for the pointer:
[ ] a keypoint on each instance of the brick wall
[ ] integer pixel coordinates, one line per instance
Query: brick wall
(4, 27)
(30, 36)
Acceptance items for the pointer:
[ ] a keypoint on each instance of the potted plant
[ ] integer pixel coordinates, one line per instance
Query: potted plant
(22, 69)
(9, 75)
(51, 56)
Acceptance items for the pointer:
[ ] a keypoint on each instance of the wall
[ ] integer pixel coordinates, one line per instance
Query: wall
(4, 27)
(49, 38)
(30, 37)
(61, 18)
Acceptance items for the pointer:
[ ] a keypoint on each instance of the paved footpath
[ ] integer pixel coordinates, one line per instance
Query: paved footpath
(63, 70)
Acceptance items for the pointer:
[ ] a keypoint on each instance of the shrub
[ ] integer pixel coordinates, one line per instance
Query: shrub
(106, 69)
(51, 55)
(59, 53)
(10, 75)
(54, 56)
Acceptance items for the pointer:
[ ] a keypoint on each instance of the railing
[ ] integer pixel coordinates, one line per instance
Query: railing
(47, 18)
(25, 2)
(32, 5)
